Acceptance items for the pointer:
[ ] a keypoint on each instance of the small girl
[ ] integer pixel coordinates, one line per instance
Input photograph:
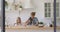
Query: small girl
(18, 21)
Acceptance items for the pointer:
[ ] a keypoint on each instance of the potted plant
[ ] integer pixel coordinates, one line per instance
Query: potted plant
(6, 4)
(20, 6)
(40, 24)
(51, 25)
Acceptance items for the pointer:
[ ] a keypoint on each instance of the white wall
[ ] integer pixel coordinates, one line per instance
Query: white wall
(25, 13)
(58, 19)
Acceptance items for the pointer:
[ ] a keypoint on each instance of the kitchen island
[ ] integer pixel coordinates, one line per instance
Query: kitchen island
(29, 29)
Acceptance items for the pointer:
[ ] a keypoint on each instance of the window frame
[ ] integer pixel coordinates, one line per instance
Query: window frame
(47, 7)
(57, 11)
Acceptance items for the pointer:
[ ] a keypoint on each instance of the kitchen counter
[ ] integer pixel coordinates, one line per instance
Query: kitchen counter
(29, 29)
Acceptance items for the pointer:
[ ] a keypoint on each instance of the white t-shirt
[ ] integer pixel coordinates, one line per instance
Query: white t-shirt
(17, 24)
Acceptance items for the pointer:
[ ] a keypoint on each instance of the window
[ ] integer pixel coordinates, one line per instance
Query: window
(57, 9)
(47, 9)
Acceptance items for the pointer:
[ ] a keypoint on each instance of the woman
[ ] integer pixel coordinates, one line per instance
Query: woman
(18, 21)
(32, 20)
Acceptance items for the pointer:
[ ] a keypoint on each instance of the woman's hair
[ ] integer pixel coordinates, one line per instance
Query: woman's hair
(18, 17)
(18, 20)
(33, 13)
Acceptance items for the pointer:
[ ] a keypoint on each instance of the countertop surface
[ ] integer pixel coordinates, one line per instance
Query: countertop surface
(29, 27)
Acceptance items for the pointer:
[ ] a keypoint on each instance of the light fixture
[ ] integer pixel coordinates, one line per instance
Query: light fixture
(20, 6)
